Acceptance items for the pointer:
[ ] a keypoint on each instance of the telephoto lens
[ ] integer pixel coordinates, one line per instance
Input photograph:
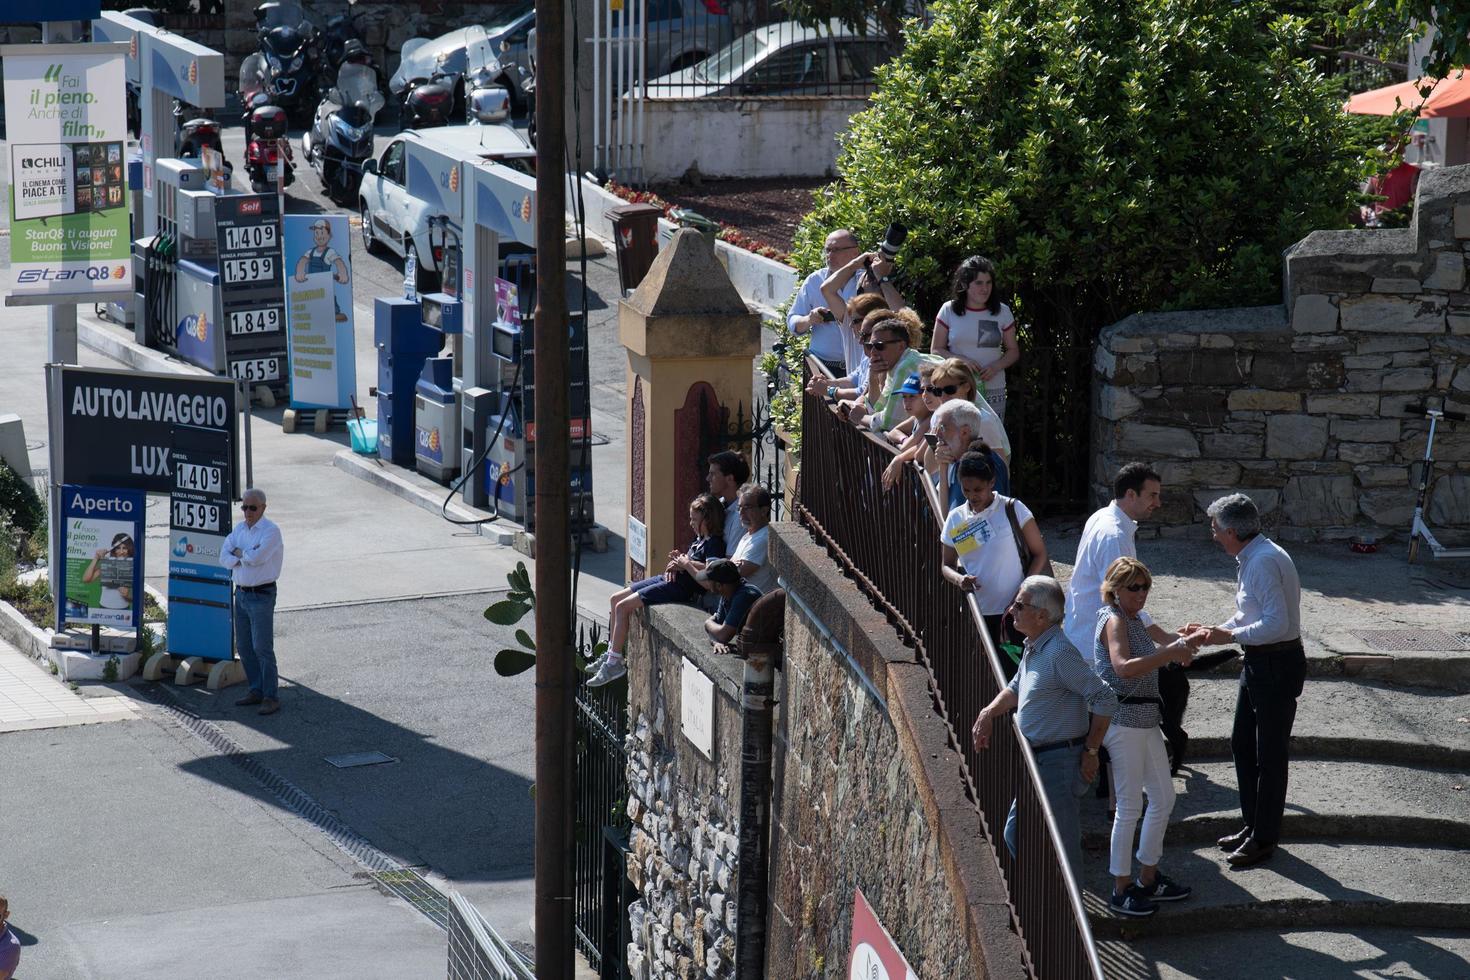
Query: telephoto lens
(893, 239)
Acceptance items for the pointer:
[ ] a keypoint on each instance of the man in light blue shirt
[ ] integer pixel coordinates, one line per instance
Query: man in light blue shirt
(809, 312)
(1268, 626)
(1063, 709)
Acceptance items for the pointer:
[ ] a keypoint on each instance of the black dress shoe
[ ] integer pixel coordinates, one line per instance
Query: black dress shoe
(269, 706)
(249, 699)
(1231, 842)
(1250, 853)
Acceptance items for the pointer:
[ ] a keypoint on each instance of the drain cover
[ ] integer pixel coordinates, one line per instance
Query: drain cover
(1412, 640)
(354, 759)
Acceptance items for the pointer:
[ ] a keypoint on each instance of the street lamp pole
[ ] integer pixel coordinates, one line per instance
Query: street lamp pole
(554, 616)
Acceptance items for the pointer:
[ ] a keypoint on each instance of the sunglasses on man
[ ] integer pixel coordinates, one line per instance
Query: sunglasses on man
(945, 390)
(877, 344)
(250, 507)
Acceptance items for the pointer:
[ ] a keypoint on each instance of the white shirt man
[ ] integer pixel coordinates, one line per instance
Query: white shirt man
(254, 552)
(1107, 536)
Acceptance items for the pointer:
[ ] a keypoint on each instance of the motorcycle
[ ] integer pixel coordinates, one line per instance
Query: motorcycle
(341, 135)
(487, 102)
(292, 59)
(267, 154)
(426, 101)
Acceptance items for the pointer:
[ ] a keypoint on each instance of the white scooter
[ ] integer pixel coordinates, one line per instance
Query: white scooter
(1426, 482)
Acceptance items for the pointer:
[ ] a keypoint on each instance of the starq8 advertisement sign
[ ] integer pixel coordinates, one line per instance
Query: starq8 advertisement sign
(66, 120)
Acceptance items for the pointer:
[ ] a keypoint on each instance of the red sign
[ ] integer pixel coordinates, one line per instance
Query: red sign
(250, 206)
(875, 955)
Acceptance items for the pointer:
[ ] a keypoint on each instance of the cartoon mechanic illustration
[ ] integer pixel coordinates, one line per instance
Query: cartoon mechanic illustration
(322, 257)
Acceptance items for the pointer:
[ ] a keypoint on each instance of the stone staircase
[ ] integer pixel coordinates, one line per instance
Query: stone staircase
(1372, 877)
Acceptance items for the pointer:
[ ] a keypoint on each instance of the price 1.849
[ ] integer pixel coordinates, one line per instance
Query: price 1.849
(253, 269)
(255, 321)
(191, 516)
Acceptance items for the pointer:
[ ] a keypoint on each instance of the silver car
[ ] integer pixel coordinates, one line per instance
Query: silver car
(783, 59)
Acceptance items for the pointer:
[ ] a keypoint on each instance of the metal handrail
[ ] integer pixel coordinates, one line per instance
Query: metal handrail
(842, 468)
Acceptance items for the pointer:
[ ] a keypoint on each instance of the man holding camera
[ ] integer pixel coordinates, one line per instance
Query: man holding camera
(809, 312)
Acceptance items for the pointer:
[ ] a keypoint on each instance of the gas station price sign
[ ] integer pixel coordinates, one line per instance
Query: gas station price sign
(199, 623)
(252, 286)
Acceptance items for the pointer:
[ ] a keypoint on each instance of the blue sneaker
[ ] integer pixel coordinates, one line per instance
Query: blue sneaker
(1164, 889)
(1132, 903)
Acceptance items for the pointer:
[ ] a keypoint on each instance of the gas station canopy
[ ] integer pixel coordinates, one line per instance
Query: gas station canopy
(1450, 97)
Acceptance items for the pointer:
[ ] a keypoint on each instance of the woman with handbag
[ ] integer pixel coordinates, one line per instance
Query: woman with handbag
(1128, 659)
(991, 544)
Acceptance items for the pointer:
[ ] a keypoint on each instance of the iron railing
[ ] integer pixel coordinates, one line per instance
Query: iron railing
(754, 437)
(889, 543)
(1049, 421)
(601, 898)
(476, 951)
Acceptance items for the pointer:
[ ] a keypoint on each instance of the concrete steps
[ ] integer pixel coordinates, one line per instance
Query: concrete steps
(1376, 837)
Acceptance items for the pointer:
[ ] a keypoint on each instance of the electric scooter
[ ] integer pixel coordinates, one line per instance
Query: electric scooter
(1426, 483)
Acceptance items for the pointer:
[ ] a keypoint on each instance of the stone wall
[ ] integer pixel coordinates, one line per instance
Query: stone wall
(1306, 413)
(683, 807)
(868, 795)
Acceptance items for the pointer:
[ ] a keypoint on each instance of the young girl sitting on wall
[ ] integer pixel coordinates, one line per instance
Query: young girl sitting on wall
(676, 584)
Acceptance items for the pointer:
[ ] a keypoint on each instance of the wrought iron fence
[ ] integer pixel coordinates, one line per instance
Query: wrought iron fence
(602, 891)
(1363, 70)
(1049, 420)
(754, 437)
(889, 543)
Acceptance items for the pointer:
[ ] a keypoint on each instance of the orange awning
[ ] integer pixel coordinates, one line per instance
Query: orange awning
(1450, 97)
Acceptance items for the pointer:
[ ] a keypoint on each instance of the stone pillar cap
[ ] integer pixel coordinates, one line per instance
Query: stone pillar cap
(686, 279)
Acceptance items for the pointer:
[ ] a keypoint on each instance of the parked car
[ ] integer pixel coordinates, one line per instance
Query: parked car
(783, 59)
(403, 192)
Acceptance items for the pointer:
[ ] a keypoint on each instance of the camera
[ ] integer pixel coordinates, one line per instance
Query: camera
(893, 240)
(827, 316)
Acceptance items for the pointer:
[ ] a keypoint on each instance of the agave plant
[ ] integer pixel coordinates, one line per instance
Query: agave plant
(519, 601)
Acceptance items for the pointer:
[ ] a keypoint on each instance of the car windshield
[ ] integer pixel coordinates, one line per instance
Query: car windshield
(283, 15)
(508, 18)
(725, 65)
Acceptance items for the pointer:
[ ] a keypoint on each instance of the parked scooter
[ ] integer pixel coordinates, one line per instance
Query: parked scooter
(426, 101)
(293, 61)
(486, 102)
(341, 136)
(267, 154)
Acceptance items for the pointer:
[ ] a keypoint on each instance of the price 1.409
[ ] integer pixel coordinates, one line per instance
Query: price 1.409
(193, 476)
(250, 236)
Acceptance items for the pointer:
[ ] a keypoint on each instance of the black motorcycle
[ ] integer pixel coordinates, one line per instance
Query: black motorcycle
(194, 130)
(292, 58)
(341, 136)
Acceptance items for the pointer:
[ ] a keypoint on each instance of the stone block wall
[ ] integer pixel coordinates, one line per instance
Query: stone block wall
(867, 795)
(1303, 406)
(684, 808)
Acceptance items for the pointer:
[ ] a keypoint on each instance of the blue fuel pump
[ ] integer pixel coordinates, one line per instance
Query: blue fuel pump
(404, 343)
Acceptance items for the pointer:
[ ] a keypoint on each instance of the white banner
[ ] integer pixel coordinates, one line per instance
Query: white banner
(66, 119)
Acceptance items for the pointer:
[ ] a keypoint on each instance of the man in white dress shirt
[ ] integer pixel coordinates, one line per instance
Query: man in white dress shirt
(1107, 536)
(1268, 626)
(253, 552)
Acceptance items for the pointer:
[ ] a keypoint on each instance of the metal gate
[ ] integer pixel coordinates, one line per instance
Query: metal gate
(602, 890)
(1049, 420)
(753, 436)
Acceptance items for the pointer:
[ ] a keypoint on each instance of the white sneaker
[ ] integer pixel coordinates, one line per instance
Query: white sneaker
(593, 666)
(610, 670)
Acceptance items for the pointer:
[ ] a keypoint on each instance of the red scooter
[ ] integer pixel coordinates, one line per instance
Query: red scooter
(267, 154)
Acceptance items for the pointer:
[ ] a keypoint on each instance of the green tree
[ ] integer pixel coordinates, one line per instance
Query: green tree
(1109, 156)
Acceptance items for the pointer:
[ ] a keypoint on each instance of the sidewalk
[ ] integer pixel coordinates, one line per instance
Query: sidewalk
(31, 698)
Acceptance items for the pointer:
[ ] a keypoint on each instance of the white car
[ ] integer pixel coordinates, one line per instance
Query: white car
(416, 180)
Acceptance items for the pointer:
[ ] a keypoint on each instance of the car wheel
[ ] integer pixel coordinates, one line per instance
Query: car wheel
(369, 240)
(427, 281)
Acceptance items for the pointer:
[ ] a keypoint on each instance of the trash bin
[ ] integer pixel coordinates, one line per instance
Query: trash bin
(635, 229)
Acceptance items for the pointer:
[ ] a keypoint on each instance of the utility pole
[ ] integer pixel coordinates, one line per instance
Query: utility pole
(554, 682)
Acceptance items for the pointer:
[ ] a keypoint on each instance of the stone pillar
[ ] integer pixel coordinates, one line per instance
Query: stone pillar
(691, 344)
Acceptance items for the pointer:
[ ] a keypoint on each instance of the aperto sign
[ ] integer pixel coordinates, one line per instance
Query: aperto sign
(116, 426)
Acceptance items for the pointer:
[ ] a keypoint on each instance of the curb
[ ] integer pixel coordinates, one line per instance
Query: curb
(392, 479)
(1402, 753)
(118, 343)
(1281, 915)
(1355, 828)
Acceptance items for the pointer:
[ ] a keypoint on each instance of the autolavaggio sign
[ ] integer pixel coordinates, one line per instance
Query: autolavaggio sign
(66, 119)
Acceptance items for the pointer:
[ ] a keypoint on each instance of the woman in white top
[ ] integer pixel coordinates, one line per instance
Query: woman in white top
(978, 328)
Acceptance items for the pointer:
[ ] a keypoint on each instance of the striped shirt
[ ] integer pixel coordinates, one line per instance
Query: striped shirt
(1056, 690)
(1140, 644)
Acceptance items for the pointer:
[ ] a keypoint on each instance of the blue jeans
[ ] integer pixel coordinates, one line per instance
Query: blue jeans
(255, 614)
(1061, 778)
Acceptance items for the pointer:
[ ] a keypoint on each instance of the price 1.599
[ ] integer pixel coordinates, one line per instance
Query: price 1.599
(191, 516)
(248, 270)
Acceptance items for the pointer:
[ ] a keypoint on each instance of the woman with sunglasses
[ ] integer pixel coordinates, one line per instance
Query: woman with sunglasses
(1128, 659)
(975, 326)
(948, 380)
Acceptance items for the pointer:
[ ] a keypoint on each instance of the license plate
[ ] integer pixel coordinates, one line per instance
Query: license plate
(272, 171)
(256, 369)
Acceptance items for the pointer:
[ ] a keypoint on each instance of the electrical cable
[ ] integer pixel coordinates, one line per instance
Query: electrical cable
(475, 465)
(579, 222)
